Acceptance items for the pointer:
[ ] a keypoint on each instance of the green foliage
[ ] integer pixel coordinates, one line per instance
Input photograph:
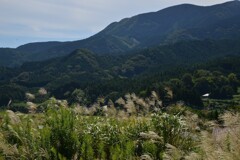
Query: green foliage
(173, 129)
(216, 84)
(150, 148)
(23, 134)
(78, 96)
(113, 76)
(21, 107)
(10, 92)
(63, 136)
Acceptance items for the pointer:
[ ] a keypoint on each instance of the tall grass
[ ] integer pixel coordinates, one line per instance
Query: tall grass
(63, 133)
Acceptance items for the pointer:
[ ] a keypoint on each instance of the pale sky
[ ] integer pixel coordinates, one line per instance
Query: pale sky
(24, 21)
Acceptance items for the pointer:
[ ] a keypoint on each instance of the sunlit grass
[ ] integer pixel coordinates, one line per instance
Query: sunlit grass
(63, 133)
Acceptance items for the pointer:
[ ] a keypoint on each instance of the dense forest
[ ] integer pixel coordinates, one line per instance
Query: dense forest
(187, 70)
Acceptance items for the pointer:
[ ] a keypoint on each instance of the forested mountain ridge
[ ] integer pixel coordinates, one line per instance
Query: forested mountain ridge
(84, 62)
(114, 75)
(170, 25)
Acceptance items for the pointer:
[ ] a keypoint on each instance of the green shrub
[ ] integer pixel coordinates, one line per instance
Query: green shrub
(63, 136)
(173, 130)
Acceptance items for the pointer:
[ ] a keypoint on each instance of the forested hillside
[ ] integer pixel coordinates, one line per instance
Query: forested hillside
(112, 77)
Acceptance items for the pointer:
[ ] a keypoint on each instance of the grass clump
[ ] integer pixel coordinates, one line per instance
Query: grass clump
(62, 133)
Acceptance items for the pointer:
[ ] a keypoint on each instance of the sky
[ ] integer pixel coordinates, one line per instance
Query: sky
(25, 21)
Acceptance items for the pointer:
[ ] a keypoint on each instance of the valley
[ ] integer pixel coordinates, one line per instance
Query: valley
(158, 85)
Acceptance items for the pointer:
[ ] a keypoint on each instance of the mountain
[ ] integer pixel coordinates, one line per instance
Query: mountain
(115, 75)
(10, 57)
(83, 66)
(170, 25)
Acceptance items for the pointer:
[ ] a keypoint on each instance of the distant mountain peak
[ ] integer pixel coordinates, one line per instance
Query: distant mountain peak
(170, 25)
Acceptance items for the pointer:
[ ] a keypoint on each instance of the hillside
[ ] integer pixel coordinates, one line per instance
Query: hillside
(114, 75)
(83, 62)
(170, 25)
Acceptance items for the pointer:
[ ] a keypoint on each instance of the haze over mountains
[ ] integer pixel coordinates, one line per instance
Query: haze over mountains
(178, 23)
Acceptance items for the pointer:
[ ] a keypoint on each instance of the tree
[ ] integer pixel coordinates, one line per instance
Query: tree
(187, 80)
(78, 96)
(226, 92)
(202, 85)
(233, 80)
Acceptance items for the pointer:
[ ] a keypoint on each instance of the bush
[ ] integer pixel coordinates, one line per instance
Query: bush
(63, 136)
(173, 129)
